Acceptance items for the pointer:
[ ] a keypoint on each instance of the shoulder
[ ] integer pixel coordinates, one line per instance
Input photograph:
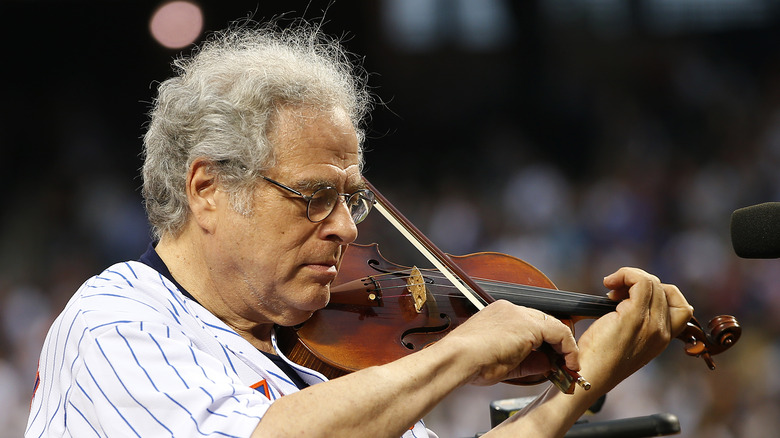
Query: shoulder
(127, 276)
(126, 292)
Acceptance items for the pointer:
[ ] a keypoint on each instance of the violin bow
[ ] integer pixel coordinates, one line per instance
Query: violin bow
(563, 378)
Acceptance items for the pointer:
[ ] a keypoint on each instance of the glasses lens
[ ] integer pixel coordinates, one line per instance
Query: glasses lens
(321, 203)
(360, 204)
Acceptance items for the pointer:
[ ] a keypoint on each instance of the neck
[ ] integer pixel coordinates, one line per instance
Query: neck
(188, 263)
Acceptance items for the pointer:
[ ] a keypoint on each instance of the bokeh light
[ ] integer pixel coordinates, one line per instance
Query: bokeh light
(176, 24)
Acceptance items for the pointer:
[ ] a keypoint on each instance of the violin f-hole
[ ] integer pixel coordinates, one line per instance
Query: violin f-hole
(428, 333)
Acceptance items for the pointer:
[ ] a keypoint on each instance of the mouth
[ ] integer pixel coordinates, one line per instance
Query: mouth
(324, 267)
(325, 270)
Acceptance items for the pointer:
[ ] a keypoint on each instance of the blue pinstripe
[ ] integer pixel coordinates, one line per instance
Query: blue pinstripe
(97, 385)
(120, 274)
(203, 370)
(230, 332)
(281, 377)
(59, 328)
(121, 297)
(244, 414)
(175, 295)
(81, 338)
(86, 394)
(230, 361)
(130, 267)
(162, 352)
(121, 382)
(197, 426)
(136, 360)
(124, 321)
(83, 417)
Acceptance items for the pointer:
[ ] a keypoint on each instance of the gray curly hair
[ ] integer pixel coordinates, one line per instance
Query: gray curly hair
(222, 104)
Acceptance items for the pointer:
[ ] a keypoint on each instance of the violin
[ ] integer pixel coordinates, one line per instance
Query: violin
(380, 311)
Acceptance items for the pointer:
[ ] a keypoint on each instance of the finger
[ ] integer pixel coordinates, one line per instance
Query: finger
(632, 283)
(659, 307)
(675, 298)
(680, 311)
(626, 277)
(560, 337)
(534, 364)
(556, 334)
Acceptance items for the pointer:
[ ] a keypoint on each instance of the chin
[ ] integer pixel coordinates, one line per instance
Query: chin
(297, 319)
(299, 310)
(318, 299)
(301, 315)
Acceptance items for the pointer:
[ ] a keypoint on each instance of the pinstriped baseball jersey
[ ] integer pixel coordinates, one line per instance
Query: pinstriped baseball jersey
(131, 356)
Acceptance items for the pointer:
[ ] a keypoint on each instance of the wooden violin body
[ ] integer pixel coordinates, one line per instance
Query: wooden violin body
(380, 311)
(372, 312)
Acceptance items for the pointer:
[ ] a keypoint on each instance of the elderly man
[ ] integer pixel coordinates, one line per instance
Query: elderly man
(253, 187)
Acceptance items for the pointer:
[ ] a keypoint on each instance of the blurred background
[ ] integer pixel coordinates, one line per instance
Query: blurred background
(578, 135)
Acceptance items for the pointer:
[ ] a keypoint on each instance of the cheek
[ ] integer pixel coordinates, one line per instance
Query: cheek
(273, 249)
(271, 236)
(247, 239)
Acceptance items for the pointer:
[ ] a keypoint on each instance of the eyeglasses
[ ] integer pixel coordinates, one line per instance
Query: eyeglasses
(323, 201)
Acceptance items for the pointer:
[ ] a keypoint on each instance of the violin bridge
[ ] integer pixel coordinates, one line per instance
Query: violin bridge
(415, 284)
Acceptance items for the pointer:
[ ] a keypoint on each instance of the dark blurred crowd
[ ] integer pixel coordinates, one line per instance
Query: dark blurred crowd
(584, 152)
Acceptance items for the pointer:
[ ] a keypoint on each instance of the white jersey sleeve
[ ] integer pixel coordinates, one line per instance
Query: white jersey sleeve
(124, 359)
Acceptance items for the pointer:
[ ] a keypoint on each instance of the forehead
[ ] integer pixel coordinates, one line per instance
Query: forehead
(309, 138)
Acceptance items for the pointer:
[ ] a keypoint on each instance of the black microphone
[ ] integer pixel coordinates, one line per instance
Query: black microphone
(755, 231)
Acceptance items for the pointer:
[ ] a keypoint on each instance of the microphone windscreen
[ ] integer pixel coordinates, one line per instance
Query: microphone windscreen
(755, 231)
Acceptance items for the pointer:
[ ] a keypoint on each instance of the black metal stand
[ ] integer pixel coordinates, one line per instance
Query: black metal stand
(661, 424)
(636, 427)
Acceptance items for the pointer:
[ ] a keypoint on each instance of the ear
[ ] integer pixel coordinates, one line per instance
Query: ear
(202, 194)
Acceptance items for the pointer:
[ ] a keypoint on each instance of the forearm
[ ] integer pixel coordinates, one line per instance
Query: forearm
(552, 414)
(613, 348)
(491, 346)
(387, 399)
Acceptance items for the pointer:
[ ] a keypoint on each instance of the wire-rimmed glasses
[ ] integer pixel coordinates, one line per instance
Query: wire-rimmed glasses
(322, 202)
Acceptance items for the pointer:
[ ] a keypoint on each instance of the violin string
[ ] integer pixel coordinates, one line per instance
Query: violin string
(534, 297)
(508, 285)
(517, 290)
(390, 312)
(530, 299)
(512, 290)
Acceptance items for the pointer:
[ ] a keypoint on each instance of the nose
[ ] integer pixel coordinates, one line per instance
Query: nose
(339, 225)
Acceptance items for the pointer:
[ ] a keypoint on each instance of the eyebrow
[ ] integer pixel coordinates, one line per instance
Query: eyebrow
(316, 184)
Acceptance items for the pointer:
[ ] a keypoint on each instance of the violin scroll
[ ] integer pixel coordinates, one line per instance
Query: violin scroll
(724, 332)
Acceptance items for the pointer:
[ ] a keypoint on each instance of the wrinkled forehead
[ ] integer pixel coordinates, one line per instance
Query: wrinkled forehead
(306, 134)
(291, 120)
